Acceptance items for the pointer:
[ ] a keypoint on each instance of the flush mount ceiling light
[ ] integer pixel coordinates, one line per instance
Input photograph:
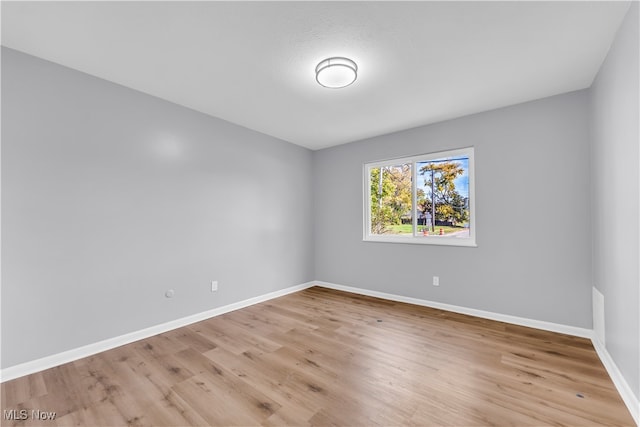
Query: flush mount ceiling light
(336, 72)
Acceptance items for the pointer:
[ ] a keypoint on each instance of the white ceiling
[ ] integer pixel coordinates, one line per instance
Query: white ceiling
(252, 63)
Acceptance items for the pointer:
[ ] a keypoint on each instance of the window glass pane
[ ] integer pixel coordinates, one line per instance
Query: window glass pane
(390, 203)
(442, 191)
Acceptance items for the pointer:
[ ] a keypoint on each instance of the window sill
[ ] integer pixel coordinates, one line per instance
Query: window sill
(420, 240)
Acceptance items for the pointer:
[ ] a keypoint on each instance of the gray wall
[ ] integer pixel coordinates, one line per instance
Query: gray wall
(110, 197)
(616, 234)
(532, 203)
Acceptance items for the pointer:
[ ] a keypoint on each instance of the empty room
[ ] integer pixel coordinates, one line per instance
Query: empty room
(303, 213)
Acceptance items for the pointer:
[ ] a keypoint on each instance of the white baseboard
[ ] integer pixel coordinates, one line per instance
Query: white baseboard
(522, 321)
(630, 400)
(47, 362)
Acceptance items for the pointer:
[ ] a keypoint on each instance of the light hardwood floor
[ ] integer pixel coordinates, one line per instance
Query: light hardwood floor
(324, 357)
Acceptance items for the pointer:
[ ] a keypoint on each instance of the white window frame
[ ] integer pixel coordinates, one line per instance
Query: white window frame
(416, 238)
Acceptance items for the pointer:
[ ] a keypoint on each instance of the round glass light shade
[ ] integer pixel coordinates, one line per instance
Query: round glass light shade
(336, 72)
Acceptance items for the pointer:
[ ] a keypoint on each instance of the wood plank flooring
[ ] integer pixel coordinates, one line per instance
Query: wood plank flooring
(324, 357)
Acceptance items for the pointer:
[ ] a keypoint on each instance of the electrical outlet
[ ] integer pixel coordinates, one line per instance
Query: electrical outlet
(214, 285)
(436, 281)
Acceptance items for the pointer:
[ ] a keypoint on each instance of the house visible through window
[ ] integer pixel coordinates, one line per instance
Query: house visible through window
(421, 199)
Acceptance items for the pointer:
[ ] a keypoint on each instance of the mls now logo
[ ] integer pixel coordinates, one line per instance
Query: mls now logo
(24, 414)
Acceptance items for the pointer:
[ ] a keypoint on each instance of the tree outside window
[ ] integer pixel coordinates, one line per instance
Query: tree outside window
(421, 199)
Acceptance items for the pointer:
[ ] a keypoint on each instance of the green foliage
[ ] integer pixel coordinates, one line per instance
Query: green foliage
(390, 197)
(449, 204)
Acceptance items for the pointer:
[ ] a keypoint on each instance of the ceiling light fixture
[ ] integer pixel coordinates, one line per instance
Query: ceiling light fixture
(336, 72)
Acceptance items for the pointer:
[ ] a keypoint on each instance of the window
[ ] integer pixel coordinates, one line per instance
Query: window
(427, 199)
